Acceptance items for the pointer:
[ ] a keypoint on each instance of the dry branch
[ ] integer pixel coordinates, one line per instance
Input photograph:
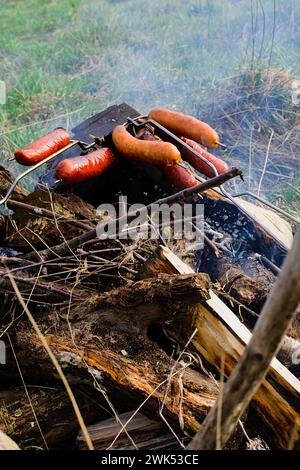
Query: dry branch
(64, 248)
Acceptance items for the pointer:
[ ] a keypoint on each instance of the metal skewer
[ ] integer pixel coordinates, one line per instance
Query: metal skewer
(35, 167)
(145, 121)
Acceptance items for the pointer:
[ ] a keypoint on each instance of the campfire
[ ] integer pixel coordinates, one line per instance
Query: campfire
(144, 329)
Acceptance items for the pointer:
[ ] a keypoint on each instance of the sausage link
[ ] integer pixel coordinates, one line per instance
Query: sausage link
(156, 152)
(85, 167)
(43, 147)
(220, 165)
(180, 177)
(188, 126)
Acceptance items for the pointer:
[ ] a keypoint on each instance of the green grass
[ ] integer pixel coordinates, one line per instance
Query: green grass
(63, 60)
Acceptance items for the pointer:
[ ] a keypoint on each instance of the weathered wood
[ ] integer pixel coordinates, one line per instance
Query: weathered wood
(254, 364)
(52, 424)
(6, 443)
(221, 334)
(142, 302)
(144, 434)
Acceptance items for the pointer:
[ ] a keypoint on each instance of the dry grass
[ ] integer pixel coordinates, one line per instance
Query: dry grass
(261, 126)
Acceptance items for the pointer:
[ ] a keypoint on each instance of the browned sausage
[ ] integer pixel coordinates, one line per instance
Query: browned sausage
(157, 152)
(85, 167)
(180, 177)
(43, 147)
(220, 165)
(188, 126)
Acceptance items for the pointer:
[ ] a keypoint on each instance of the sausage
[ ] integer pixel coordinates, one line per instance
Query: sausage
(156, 152)
(180, 177)
(84, 167)
(188, 126)
(43, 147)
(220, 165)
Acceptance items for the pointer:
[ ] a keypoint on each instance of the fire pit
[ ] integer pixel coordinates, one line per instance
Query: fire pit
(144, 321)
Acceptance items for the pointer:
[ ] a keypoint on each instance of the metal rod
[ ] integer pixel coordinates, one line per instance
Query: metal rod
(223, 191)
(35, 167)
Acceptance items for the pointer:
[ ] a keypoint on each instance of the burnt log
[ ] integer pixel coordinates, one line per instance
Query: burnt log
(47, 421)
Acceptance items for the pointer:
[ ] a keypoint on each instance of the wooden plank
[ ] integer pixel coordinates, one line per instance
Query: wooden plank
(142, 433)
(270, 219)
(6, 443)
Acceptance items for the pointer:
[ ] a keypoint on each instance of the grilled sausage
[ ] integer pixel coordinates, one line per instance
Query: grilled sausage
(43, 147)
(85, 167)
(188, 126)
(180, 177)
(220, 165)
(156, 152)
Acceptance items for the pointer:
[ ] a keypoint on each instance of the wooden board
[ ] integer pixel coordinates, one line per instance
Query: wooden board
(272, 220)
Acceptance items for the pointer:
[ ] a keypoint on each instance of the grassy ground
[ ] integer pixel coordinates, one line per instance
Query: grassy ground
(63, 60)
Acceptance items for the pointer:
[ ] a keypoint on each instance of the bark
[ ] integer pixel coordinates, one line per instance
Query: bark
(31, 227)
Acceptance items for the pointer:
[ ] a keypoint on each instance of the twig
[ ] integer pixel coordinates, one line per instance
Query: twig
(48, 287)
(265, 163)
(55, 363)
(64, 248)
(47, 213)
